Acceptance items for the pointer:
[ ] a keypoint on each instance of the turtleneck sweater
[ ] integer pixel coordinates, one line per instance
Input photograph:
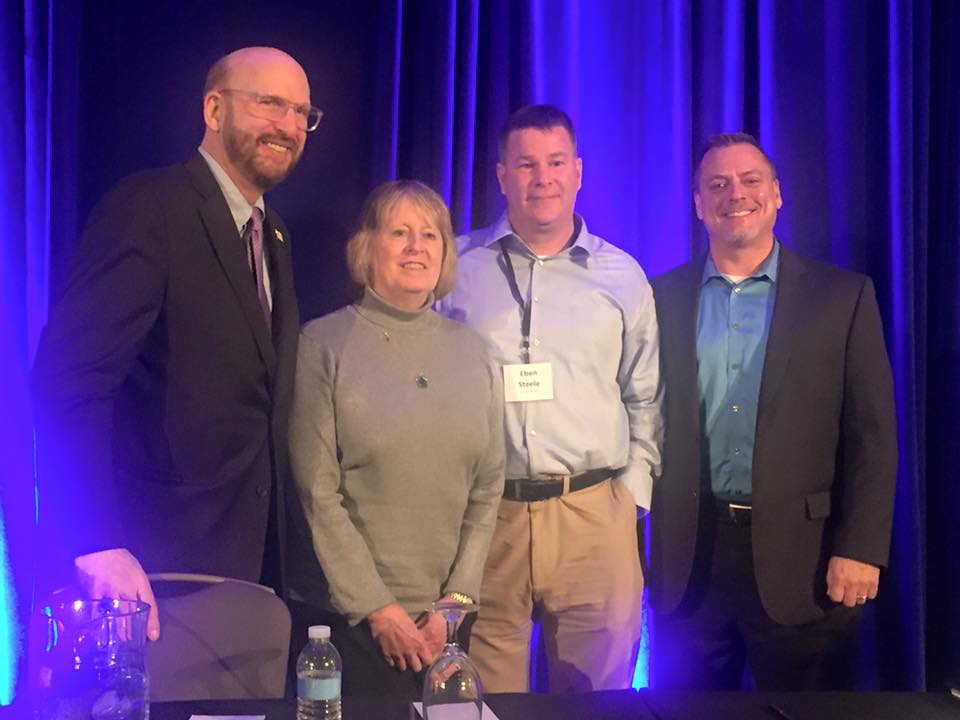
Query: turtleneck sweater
(396, 445)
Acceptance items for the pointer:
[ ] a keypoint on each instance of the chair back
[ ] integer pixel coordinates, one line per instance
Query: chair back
(219, 639)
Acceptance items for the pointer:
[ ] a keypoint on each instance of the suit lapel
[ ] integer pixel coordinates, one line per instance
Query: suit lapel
(277, 246)
(222, 234)
(686, 356)
(788, 311)
(679, 335)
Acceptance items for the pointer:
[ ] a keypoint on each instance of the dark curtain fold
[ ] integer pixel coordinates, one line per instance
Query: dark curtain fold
(940, 499)
(857, 103)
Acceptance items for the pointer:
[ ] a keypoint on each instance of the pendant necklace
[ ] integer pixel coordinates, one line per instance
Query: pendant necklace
(422, 381)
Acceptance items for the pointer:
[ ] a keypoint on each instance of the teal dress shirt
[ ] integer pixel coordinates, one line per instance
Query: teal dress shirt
(732, 328)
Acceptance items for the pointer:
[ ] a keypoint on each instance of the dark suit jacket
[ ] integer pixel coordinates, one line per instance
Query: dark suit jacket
(161, 399)
(825, 458)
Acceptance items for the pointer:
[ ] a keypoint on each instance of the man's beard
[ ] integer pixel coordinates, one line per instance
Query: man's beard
(241, 148)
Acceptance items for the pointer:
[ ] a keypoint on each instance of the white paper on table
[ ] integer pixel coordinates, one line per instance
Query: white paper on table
(228, 717)
(453, 711)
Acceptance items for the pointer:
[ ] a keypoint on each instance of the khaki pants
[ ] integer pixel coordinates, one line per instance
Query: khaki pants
(576, 559)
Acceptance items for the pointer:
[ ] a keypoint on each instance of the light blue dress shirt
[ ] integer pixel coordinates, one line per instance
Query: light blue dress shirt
(732, 328)
(593, 318)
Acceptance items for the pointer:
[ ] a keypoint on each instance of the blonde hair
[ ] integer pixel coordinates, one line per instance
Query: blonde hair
(377, 208)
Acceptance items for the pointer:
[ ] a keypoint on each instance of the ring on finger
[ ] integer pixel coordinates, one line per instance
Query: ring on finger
(861, 599)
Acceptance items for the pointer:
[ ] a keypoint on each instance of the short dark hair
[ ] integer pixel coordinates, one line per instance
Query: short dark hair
(541, 117)
(726, 140)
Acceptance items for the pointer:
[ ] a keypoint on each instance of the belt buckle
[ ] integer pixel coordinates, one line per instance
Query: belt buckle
(564, 481)
(739, 513)
(518, 488)
(541, 486)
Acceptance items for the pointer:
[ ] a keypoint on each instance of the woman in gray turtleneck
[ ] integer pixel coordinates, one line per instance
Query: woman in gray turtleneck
(396, 447)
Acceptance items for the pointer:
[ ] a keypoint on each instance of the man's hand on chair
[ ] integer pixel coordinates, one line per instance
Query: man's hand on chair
(116, 573)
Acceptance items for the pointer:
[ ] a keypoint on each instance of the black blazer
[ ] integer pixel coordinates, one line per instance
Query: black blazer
(825, 456)
(161, 397)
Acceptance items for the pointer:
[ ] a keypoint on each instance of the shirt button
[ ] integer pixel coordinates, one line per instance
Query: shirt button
(736, 326)
(536, 341)
(536, 299)
(738, 290)
(735, 366)
(735, 408)
(261, 492)
(539, 262)
(533, 433)
(736, 451)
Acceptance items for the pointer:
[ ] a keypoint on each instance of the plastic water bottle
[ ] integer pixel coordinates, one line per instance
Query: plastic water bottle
(318, 677)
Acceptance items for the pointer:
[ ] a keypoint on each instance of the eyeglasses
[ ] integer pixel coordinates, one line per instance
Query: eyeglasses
(271, 107)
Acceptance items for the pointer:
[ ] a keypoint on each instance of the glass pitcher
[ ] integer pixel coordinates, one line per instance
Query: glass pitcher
(91, 662)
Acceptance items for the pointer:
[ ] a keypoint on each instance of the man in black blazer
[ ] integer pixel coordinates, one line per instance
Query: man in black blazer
(163, 379)
(773, 514)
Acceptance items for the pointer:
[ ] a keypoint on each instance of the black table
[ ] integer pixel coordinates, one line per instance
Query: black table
(623, 705)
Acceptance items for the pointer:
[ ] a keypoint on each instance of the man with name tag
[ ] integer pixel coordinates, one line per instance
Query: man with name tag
(571, 321)
(773, 514)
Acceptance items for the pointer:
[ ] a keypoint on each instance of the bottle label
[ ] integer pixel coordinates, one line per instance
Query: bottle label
(318, 688)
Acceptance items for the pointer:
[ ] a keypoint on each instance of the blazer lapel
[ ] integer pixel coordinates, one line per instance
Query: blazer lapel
(286, 319)
(222, 234)
(685, 319)
(788, 311)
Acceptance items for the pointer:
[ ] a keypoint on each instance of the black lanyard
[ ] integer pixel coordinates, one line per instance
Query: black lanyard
(518, 296)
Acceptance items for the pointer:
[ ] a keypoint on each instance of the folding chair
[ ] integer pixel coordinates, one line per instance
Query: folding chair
(219, 639)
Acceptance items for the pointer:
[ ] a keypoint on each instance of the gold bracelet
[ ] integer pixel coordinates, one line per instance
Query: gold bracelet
(461, 598)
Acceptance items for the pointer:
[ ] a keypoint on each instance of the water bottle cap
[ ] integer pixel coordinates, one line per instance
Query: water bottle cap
(319, 632)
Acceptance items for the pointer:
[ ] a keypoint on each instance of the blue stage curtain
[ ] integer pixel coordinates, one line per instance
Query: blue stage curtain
(14, 443)
(38, 188)
(857, 103)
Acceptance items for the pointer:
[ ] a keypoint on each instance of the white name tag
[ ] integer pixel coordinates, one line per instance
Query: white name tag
(528, 381)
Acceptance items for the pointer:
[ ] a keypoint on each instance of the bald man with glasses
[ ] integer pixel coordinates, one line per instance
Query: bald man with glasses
(163, 379)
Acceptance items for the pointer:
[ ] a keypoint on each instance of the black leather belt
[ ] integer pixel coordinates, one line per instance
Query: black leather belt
(739, 514)
(544, 487)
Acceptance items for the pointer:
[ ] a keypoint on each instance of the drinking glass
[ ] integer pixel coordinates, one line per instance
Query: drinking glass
(451, 688)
